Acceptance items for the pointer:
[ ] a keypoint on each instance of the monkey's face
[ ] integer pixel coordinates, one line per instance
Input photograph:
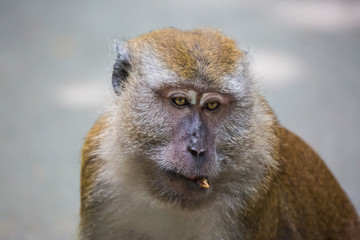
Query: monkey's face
(180, 139)
(181, 134)
(190, 154)
(184, 109)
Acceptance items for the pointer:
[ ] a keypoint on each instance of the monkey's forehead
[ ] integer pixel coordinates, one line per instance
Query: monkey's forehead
(191, 54)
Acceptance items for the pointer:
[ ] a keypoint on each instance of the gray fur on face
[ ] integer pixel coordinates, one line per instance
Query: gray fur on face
(134, 149)
(138, 118)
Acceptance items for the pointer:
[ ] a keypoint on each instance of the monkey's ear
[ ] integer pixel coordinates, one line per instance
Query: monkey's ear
(121, 69)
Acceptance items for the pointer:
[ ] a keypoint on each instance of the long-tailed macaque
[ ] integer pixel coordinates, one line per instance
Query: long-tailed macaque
(189, 149)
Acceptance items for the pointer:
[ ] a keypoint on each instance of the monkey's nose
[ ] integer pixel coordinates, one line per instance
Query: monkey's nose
(197, 151)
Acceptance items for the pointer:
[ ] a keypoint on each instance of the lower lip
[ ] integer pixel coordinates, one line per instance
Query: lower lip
(185, 182)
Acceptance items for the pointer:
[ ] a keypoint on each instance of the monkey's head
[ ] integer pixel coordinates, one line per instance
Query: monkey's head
(186, 109)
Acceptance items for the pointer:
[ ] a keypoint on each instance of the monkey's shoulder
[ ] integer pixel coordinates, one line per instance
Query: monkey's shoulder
(300, 164)
(294, 150)
(310, 196)
(90, 161)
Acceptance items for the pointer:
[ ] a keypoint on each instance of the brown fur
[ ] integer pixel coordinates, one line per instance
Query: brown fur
(318, 207)
(304, 201)
(90, 165)
(189, 53)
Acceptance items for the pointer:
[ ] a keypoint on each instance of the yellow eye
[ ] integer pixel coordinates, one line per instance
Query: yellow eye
(180, 101)
(212, 105)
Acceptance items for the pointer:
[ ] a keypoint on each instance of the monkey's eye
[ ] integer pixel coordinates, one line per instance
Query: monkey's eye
(212, 105)
(179, 101)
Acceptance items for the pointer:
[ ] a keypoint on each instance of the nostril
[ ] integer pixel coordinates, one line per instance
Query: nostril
(196, 152)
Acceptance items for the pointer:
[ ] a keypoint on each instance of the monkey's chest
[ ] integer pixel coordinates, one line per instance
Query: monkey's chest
(136, 220)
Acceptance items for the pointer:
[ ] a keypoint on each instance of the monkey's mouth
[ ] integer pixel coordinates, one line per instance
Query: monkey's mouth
(190, 191)
(199, 181)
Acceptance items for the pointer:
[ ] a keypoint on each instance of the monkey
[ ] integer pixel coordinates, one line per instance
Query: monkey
(190, 149)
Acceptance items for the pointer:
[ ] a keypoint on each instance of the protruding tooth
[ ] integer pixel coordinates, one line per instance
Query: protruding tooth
(203, 182)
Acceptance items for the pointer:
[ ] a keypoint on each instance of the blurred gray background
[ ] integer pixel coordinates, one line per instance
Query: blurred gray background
(55, 69)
